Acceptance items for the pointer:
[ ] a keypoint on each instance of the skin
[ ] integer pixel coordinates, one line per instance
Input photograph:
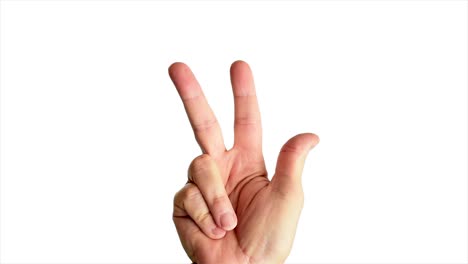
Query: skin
(229, 211)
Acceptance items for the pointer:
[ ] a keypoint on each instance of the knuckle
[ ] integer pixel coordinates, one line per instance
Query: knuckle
(220, 200)
(178, 196)
(203, 217)
(246, 120)
(205, 125)
(190, 192)
(288, 147)
(198, 166)
(201, 161)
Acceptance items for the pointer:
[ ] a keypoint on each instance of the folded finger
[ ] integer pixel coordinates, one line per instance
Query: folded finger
(190, 201)
(204, 172)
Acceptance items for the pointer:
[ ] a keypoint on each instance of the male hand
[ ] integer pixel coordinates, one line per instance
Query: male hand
(229, 211)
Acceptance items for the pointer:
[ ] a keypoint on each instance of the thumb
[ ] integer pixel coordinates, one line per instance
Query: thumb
(291, 161)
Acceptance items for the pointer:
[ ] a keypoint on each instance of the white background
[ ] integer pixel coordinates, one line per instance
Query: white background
(95, 141)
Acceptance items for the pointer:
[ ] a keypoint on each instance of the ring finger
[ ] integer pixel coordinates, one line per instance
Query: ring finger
(189, 202)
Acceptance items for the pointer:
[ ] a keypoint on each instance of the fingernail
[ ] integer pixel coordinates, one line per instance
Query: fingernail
(217, 231)
(228, 221)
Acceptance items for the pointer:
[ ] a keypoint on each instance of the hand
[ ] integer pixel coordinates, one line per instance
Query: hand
(229, 212)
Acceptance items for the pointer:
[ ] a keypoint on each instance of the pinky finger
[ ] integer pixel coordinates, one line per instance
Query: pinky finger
(189, 202)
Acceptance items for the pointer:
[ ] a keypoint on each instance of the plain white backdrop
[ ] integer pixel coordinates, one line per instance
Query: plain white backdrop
(95, 141)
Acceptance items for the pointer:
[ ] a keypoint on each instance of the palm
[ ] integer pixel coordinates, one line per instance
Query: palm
(267, 212)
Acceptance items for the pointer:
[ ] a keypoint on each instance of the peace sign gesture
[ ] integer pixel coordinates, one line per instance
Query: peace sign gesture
(229, 211)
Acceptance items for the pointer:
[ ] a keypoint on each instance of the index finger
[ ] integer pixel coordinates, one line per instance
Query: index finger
(204, 123)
